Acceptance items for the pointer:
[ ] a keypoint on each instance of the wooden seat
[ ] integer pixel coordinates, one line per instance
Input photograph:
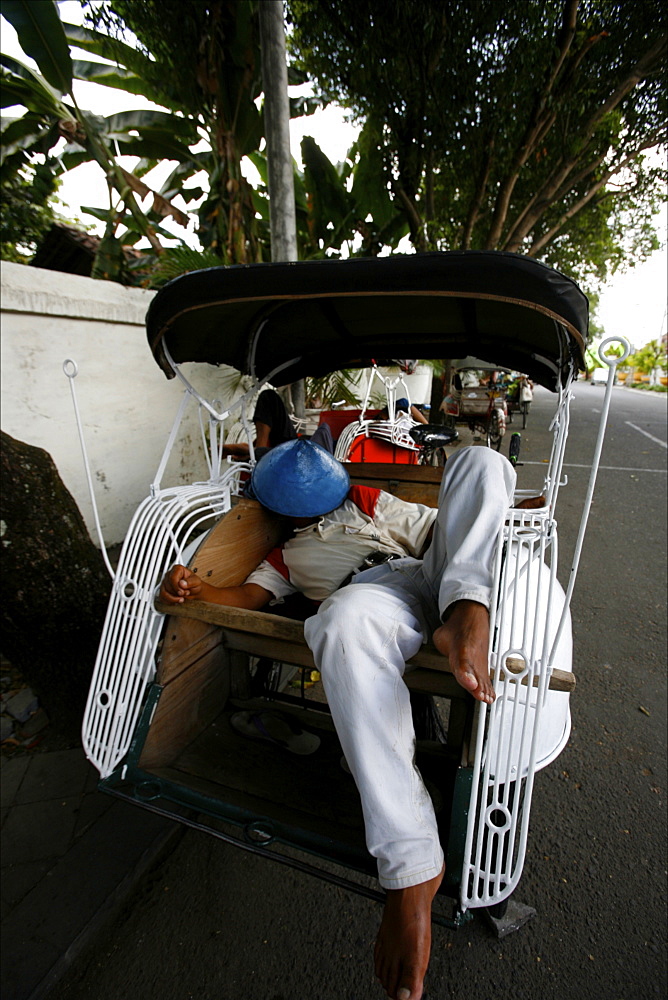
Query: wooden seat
(282, 639)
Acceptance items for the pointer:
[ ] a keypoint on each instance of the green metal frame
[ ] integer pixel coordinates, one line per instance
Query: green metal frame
(260, 835)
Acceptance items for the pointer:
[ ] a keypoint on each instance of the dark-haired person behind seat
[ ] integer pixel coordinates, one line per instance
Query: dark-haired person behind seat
(273, 427)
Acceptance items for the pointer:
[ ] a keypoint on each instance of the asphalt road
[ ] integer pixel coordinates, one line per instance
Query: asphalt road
(213, 922)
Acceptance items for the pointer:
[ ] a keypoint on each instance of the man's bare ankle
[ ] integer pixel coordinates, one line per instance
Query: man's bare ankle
(466, 608)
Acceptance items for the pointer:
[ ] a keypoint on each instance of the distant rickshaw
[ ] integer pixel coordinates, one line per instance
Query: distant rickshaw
(477, 399)
(519, 396)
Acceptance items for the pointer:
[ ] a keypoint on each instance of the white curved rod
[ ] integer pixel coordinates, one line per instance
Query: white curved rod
(390, 385)
(71, 370)
(612, 363)
(374, 371)
(155, 485)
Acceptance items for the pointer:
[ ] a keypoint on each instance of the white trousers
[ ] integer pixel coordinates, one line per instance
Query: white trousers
(362, 636)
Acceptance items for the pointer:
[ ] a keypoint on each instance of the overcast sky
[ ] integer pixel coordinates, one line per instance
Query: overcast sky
(632, 305)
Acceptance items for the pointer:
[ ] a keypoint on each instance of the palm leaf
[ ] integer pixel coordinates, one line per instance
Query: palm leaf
(368, 190)
(329, 202)
(181, 173)
(24, 133)
(180, 260)
(142, 68)
(109, 75)
(107, 47)
(158, 146)
(324, 391)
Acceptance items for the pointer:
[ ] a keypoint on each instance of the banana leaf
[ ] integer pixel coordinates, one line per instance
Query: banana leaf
(41, 37)
(25, 133)
(22, 85)
(124, 121)
(157, 146)
(330, 203)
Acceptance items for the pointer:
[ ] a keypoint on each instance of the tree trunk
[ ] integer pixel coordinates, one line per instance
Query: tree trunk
(54, 582)
(282, 211)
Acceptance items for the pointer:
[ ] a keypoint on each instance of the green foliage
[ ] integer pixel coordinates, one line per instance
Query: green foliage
(180, 260)
(486, 125)
(649, 358)
(338, 203)
(592, 359)
(52, 114)
(519, 127)
(40, 34)
(203, 60)
(322, 392)
(26, 214)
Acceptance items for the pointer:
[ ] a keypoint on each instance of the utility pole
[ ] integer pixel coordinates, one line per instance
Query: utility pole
(282, 217)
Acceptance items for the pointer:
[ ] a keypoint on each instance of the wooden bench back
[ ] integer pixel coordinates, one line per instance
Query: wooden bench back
(237, 544)
(414, 483)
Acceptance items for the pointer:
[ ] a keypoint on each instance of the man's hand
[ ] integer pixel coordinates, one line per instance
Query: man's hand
(180, 585)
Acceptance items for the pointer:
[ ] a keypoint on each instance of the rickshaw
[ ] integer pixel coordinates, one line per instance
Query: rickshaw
(390, 434)
(519, 396)
(169, 679)
(477, 399)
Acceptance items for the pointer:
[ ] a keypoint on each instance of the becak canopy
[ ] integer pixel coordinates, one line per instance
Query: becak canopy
(315, 317)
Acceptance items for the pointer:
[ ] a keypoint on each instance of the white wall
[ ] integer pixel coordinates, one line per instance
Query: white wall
(127, 404)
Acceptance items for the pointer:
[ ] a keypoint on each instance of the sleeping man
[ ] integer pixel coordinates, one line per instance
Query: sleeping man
(437, 582)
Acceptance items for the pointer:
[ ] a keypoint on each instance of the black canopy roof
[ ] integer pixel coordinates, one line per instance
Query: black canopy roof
(506, 309)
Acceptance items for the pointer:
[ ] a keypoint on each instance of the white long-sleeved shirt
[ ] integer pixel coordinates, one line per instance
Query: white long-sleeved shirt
(318, 558)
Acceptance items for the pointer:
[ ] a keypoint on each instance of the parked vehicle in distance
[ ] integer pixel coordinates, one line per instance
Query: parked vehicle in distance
(476, 399)
(519, 396)
(599, 376)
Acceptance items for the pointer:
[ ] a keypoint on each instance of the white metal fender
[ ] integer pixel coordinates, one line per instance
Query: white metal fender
(530, 608)
(528, 724)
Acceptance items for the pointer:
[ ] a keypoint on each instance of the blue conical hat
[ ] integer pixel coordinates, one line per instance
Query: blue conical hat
(300, 479)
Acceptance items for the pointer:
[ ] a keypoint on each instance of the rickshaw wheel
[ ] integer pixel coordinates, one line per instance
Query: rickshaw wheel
(494, 434)
(525, 413)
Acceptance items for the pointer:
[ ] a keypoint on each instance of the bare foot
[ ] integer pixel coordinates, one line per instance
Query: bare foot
(531, 503)
(464, 639)
(403, 944)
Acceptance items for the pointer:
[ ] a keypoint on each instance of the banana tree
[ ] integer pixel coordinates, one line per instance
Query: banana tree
(212, 97)
(341, 208)
(346, 203)
(52, 113)
(204, 63)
